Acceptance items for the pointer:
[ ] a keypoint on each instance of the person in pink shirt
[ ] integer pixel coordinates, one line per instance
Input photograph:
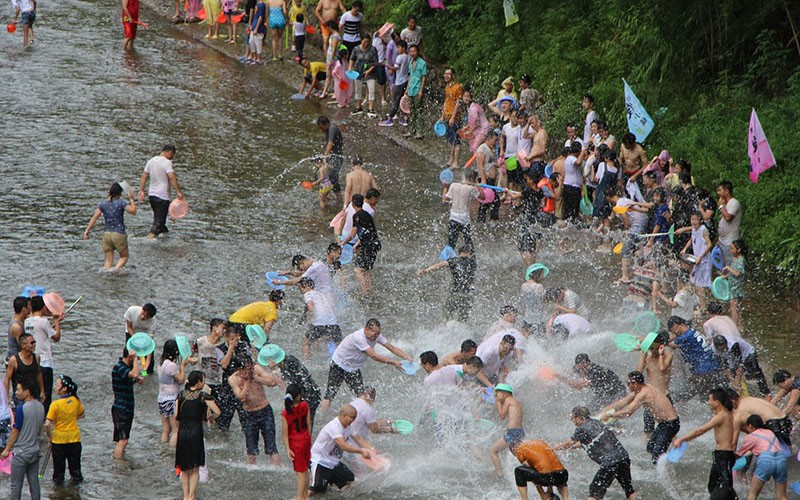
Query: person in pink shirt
(660, 165)
(772, 460)
(477, 124)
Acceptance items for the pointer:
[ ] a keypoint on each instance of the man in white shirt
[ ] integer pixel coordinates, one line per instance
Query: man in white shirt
(305, 267)
(159, 168)
(45, 334)
(450, 375)
(730, 217)
(142, 319)
(461, 196)
(568, 326)
(331, 443)
(495, 352)
(351, 355)
(321, 316)
(591, 115)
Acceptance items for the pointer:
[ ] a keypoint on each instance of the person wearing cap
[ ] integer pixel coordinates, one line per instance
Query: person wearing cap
(507, 89)
(263, 313)
(351, 355)
(605, 384)
(113, 211)
(45, 334)
(63, 432)
(604, 448)
(292, 371)
(495, 352)
(659, 406)
(451, 115)
(159, 169)
(467, 350)
(540, 466)
(461, 297)
(508, 407)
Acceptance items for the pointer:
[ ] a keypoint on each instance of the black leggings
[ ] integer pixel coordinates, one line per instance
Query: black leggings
(523, 475)
(397, 94)
(63, 454)
(336, 375)
(721, 474)
(572, 201)
(160, 210)
(454, 229)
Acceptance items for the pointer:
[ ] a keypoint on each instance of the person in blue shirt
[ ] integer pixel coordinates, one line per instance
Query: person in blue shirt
(114, 237)
(699, 356)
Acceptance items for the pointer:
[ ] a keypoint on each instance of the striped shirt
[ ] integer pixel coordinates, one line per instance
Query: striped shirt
(122, 385)
(352, 26)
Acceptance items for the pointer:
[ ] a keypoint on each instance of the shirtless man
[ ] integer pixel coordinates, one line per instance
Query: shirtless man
(468, 349)
(248, 385)
(16, 327)
(631, 155)
(721, 475)
(328, 10)
(507, 407)
(654, 401)
(539, 147)
(656, 364)
(775, 420)
(559, 168)
(358, 180)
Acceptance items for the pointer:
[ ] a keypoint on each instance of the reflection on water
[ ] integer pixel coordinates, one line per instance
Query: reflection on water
(79, 115)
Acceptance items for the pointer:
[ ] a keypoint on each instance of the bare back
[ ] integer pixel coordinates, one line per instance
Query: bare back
(514, 414)
(757, 406)
(359, 181)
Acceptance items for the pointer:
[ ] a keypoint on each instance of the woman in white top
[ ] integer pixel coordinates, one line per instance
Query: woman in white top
(171, 374)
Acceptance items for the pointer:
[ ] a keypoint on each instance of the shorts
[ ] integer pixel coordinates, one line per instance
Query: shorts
(771, 465)
(662, 437)
(527, 237)
(513, 436)
(452, 133)
(337, 375)
(333, 332)
(621, 471)
(321, 477)
(166, 405)
(123, 421)
(257, 43)
(523, 475)
(629, 246)
(326, 32)
(366, 256)
(321, 76)
(28, 18)
(115, 241)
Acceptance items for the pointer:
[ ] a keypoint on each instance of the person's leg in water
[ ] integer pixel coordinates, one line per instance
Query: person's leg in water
(496, 448)
(108, 259)
(123, 259)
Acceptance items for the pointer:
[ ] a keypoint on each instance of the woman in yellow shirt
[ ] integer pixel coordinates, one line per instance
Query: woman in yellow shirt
(62, 430)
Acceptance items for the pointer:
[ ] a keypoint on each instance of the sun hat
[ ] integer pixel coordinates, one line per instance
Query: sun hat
(536, 266)
(386, 28)
(504, 387)
(270, 352)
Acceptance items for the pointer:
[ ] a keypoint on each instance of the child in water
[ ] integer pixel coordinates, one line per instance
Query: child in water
(296, 432)
(323, 182)
(735, 274)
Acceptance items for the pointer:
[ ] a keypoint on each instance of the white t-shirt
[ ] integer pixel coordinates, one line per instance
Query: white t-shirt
(133, 314)
(587, 127)
(632, 188)
(24, 5)
(446, 375)
(411, 37)
(512, 135)
(576, 325)
(210, 356)
(349, 355)
(167, 385)
(500, 325)
(461, 196)
(638, 219)
(489, 352)
(532, 295)
(159, 167)
(299, 29)
(366, 416)
(401, 62)
(347, 228)
(573, 301)
(722, 325)
(325, 451)
(745, 347)
(42, 331)
(573, 174)
(323, 282)
(524, 143)
(686, 301)
(323, 309)
(729, 231)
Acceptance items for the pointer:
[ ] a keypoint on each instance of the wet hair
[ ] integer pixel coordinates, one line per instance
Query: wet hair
(727, 186)
(732, 394)
(661, 338)
(718, 394)
(194, 377)
(125, 352)
(472, 175)
(475, 361)
(613, 192)
(741, 246)
(306, 282)
(575, 148)
(114, 191)
(372, 323)
(779, 377)
(300, 18)
(685, 177)
(323, 120)
(675, 320)
(368, 391)
(508, 309)
(756, 421)
(357, 200)
(168, 148)
(580, 411)
(215, 322)
(150, 309)
(560, 332)
(21, 303)
(372, 193)
(509, 339)
(332, 248)
(628, 139)
(357, 160)
(468, 345)
(565, 151)
(37, 303)
(429, 358)
(297, 259)
(714, 307)
(293, 392)
(23, 337)
(720, 342)
(276, 295)
(552, 294)
(170, 351)
(684, 165)
(636, 377)
(533, 176)
(662, 195)
(582, 358)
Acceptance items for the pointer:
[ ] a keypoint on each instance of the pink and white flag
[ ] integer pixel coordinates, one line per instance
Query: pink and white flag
(761, 157)
(436, 4)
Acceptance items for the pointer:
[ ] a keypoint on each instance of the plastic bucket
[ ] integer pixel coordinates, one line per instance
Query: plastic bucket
(439, 128)
(257, 335)
(178, 208)
(141, 343)
(488, 196)
(271, 277)
(54, 303)
(184, 348)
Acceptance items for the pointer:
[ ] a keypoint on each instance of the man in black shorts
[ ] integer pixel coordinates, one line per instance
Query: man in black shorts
(124, 374)
(368, 243)
(604, 448)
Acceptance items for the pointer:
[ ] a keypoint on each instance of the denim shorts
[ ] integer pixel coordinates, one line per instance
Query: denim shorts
(771, 465)
(28, 18)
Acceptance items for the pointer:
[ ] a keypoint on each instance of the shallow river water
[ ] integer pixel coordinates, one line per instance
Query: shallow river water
(79, 114)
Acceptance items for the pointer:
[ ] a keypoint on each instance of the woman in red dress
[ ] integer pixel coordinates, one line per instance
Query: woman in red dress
(130, 20)
(297, 436)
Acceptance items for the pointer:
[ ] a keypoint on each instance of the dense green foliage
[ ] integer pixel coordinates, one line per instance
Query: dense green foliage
(698, 66)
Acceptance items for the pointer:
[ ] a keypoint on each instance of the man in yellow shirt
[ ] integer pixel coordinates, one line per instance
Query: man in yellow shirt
(314, 74)
(259, 313)
(62, 429)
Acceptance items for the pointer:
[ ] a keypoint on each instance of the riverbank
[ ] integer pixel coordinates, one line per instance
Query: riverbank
(434, 150)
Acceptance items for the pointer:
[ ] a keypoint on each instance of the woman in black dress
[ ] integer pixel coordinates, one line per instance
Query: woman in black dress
(193, 408)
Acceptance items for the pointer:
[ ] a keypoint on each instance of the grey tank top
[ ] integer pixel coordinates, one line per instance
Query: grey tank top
(13, 345)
